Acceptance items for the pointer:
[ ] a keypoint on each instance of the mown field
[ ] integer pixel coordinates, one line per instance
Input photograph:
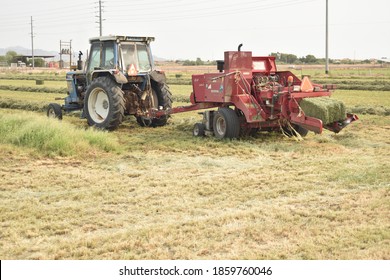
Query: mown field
(70, 192)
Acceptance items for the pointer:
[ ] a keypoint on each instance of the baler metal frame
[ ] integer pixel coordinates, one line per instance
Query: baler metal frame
(270, 104)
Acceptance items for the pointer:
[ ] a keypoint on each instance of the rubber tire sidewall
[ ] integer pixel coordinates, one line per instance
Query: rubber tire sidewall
(164, 97)
(199, 130)
(57, 110)
(116, 103)
(232, 123)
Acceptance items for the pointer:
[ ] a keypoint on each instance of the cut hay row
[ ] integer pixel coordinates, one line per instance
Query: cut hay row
(33, 89)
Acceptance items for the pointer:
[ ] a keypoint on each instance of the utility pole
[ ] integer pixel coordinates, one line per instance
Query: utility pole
(32, 43)
(70, 54)
(100, 18)
(326, 41)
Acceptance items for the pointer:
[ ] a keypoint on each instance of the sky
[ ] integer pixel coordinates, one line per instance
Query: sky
(188, 29)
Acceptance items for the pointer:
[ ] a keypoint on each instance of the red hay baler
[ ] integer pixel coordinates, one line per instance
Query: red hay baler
(251, 95)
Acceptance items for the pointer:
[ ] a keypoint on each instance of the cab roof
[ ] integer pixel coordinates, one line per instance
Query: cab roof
(122, 38)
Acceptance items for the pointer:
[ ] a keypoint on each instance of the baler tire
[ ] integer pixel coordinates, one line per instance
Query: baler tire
(226, 124)
(199, 130)
(54, 110)
(112, 109)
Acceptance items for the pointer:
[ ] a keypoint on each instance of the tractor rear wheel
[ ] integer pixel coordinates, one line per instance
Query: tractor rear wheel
(54, 110)
(104, 104)
(226, 124)
(161, 97)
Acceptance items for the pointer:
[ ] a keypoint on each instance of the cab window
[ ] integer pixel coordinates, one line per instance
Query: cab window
(136, 54)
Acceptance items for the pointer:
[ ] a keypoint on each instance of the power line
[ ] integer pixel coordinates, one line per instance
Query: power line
(207, 12)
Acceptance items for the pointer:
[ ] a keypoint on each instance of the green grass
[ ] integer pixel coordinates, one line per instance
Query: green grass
(50, 137)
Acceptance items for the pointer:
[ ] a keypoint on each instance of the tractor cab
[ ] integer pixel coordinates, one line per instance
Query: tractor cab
(130, 55)
(119, 79)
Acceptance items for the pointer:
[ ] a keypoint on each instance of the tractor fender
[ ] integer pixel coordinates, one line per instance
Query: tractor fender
(117, 75)
(158, 76)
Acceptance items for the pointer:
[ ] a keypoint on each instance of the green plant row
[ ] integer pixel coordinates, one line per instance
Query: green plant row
(181, 81)
(369, 110)
(359, 78)
(33, 89)
(23, 77)
(39, 107)
(51, 137)
(353, 81)
(356, 86)
(22, 105)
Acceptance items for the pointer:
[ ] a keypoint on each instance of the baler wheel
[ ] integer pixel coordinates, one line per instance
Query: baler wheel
(226, 124)
(199, 130)
(54, 110)
(104, 104)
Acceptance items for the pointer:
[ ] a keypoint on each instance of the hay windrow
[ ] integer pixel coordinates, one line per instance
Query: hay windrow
(324, 108)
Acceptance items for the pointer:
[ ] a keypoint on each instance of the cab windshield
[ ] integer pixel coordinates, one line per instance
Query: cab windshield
(136, 54)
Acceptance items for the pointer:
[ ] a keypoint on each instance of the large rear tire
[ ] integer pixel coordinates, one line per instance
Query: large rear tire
(161, 97)
(226, 124)
(104, 104)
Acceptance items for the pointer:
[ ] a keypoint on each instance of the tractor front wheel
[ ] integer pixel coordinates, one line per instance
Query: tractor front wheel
(54, 110)
(104, 104)
(226, 124)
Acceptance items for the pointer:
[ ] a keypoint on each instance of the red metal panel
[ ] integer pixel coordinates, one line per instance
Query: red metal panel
(239, 61)
(309, 123)
(208, 87)
(264, 64)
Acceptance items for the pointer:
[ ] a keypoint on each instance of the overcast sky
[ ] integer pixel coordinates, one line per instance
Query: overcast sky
(187, 29)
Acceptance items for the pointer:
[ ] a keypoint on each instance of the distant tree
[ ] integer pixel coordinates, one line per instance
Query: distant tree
(10, 57)
(199, 61)
(291, 58)
(285, 57)
(310, 59)
(189, 63)
(38, 62)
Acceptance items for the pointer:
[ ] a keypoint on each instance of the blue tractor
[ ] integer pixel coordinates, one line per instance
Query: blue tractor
(119, 79)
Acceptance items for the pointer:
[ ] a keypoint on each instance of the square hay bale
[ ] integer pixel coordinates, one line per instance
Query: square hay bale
(324, 108)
